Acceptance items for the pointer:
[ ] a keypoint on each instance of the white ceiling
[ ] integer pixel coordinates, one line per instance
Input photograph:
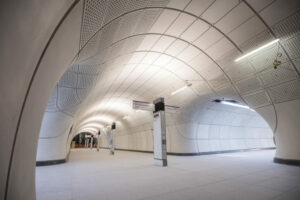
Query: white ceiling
(146, 49)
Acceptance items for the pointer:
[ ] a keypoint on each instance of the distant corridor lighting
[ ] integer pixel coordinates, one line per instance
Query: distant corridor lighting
(126, 117)
(181, 89)
(256, 50)
(236, 105)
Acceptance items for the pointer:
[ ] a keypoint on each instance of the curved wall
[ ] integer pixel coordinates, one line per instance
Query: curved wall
(143, 50)
(216, 127)
(40, 42)
(288, 134)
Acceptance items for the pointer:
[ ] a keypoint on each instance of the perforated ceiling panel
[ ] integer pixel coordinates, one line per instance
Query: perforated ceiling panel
(257, 99)
(52, 103)
(143, 49)
(248, 85)
(68, 79)
(228, 92)
(285, 92)
(284, 73)
(292, 46)
(94, 13)
(288, 27)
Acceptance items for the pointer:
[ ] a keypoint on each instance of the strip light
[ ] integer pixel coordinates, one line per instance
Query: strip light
(236, 105)
(256, 50)
(181, 89)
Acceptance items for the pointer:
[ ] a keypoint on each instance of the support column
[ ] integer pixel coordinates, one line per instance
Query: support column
(112, 138)
(91, 142)
(159, 133)
(288, 133)
(98, 138)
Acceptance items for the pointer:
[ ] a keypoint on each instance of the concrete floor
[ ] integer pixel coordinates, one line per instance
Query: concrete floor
(97, 175)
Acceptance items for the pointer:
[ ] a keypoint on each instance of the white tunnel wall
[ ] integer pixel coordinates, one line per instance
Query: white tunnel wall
(54, 136)
(28, 30)
(217, 128)
(288, 134)
(145, 55)
(186, 41)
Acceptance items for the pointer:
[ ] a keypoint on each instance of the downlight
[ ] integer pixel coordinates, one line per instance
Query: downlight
(256, 50)
(181, 89)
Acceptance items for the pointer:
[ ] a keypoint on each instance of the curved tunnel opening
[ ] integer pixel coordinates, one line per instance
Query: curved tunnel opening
(223, 104)
(98, 57)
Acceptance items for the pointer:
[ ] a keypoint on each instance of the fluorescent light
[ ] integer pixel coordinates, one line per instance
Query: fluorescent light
(181, 89)
(256, 50)
(236, 105)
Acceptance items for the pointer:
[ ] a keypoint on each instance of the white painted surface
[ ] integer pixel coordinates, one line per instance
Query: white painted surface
(109, 55)
(126, 175)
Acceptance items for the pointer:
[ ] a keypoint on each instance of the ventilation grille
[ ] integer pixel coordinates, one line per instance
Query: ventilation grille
(285, 92)
(257, 99)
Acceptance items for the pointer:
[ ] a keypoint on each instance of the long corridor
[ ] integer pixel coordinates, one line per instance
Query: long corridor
(128, 176)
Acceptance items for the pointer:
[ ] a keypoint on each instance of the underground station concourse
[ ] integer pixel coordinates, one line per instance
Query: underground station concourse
(150, 99)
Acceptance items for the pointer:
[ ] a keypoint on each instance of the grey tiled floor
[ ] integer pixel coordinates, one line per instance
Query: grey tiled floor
(97, 175)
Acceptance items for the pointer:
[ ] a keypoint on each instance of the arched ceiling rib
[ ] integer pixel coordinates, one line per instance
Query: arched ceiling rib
(203, 37)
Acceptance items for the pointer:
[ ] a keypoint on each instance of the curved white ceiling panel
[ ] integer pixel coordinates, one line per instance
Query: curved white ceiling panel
(141, 50)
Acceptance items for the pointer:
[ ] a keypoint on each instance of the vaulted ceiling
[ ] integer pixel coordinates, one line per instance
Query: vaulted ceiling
(141, 50)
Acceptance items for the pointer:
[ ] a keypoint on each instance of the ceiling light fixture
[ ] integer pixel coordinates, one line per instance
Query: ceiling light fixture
(236, 105)
(256, 50)
(181, 89)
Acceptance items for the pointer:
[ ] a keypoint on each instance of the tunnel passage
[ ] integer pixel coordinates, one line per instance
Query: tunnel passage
(140, 50)
(133, 56)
